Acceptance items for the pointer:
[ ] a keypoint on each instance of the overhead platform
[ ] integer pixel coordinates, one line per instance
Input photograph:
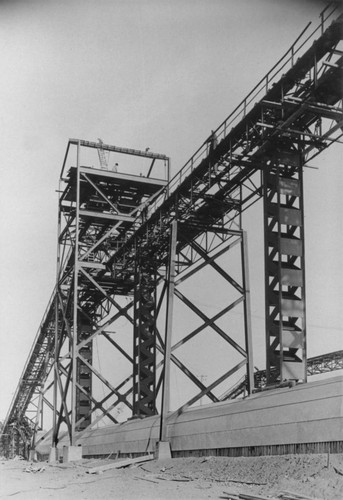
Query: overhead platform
(131, 185)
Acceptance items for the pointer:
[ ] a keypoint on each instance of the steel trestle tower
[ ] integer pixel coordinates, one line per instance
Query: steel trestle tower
(116, 236)
(98, 209)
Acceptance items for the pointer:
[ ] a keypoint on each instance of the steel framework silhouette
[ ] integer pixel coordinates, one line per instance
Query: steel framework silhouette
(141, 237)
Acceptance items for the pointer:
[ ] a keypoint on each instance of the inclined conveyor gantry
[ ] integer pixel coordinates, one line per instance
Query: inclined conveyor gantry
(127, 235)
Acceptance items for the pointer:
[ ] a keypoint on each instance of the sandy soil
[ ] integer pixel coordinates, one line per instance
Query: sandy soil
(181, 478)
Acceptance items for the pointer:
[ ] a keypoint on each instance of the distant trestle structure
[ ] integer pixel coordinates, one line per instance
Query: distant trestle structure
(142, 236)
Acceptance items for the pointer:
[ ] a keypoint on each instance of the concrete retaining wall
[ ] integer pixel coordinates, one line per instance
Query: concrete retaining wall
(305, 418)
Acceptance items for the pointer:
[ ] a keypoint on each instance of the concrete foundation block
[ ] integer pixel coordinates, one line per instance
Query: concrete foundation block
(53, 454)
(72, 453)
(163, 451)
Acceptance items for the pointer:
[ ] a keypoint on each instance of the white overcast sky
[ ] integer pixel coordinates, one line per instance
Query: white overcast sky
(144, 73)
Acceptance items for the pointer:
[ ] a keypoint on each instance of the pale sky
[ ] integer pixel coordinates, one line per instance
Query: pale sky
(146, 73)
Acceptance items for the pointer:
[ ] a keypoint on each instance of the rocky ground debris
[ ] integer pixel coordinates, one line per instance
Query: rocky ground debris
(274, 477)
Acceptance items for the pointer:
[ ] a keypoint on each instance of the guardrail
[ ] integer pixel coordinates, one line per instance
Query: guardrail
(285, 63)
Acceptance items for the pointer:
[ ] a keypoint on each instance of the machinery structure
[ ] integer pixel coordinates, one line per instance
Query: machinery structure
(316, 365)
(129, 242)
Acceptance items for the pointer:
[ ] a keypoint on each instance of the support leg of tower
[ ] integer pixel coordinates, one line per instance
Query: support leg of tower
(284, 271)
(144, 349)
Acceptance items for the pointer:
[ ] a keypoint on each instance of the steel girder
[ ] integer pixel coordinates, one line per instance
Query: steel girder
(144, 338)
(284, 269)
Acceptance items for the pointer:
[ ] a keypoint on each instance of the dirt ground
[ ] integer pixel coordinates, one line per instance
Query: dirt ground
(180, 478)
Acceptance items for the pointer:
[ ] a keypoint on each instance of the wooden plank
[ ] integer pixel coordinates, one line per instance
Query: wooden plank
(121, 463)
(248, 496)
(231, 496)
(295, 496)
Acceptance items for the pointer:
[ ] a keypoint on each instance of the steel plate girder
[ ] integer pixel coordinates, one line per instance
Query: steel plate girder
(285, 298)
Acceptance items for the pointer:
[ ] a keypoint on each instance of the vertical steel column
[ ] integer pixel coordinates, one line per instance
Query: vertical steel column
(168, 176)
(144, 338)
(55, 365)
(247, 312)
(75, 303)
(39, 416)
(284, 269)
(84, 378)
(302, 266)
(57, 325)
(168, 335)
